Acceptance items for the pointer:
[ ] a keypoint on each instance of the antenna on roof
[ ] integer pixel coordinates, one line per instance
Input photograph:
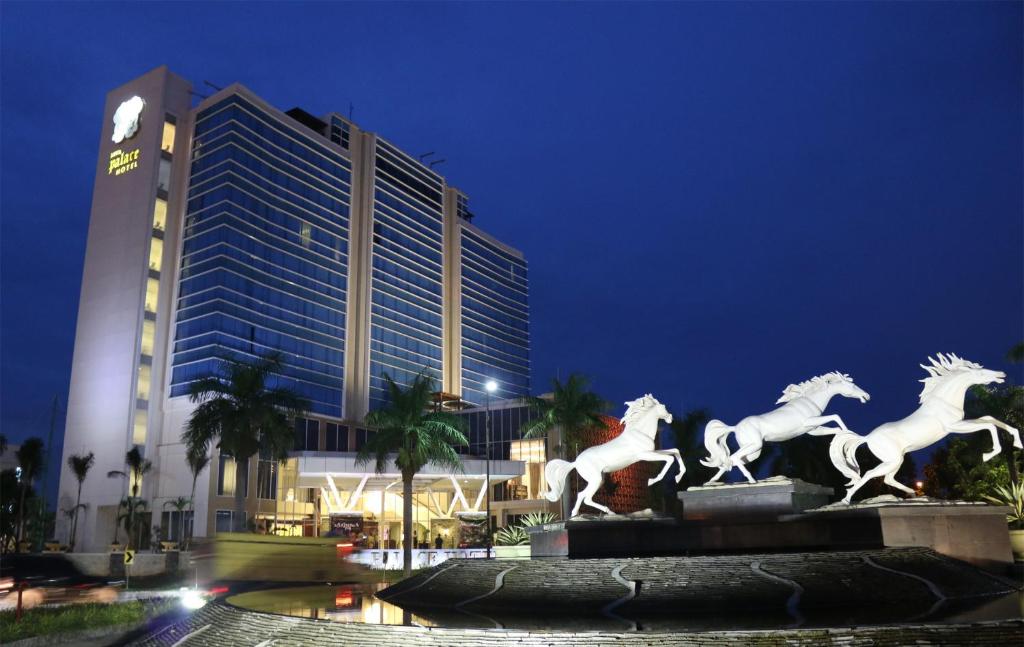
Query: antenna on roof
(436, 162)
(198, 94)
(425, 155)
(351, 109)
(205, 82)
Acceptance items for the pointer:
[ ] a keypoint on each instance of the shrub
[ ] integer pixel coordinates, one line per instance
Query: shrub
(1011, 495)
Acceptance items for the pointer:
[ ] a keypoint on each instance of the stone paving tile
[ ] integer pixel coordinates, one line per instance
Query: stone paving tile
(221, 625)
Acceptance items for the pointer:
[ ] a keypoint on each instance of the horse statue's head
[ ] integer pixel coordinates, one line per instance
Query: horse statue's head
(944, 369)
(645, 409)
(835, 383)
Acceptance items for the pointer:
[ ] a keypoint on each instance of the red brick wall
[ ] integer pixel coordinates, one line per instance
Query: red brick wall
(631, 493)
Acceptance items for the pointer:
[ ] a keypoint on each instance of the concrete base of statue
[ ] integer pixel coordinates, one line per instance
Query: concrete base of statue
(766, 499)
(781, 519)
(614, 535)
(973, 532)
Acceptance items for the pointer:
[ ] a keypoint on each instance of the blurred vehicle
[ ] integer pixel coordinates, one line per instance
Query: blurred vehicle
(244, 557)
(50, 579)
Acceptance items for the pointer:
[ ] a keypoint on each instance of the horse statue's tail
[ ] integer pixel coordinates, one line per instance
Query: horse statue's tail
(716, 435)
(555, 474)
(843, 452)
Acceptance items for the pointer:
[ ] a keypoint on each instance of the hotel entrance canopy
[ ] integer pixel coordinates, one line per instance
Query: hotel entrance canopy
(344, 484)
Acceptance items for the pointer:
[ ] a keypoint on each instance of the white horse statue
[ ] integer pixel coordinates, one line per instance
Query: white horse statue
(634, 444)
(800, 413)
(941, 413)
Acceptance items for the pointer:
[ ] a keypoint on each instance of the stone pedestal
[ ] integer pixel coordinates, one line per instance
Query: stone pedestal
(639, 534)
(972, 532)
(764, 500)
(775, 518)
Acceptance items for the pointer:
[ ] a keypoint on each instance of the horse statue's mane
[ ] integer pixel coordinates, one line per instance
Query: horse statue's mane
(943, 366)
(637, 408)
(794, 391)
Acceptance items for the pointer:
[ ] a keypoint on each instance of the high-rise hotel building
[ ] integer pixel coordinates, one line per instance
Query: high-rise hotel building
(224, 227)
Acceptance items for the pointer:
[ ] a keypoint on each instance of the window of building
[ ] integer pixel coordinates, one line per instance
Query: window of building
(176, 525)
(336, 438)
(142, 384)
(307, 435)
(167, 144)
(224, 520)
(152, 293)
(160, 214)
(163, 180)
(139, 429)
(306, 234)
(226, 478)
(266, 479)
(148, 333)
(528, 450)
(156, 253)
(361, 435)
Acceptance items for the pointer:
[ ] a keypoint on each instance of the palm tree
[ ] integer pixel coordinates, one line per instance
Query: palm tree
(1016, 353)
(137, 468)
(131, 517)
(30, 459)
(573, 410)
(72, 515)
(410, 435)
(179, 504)
(80, 466)
(243, 413)
(197, 462)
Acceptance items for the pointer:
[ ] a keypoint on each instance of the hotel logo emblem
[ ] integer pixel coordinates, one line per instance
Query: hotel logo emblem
(126, 119)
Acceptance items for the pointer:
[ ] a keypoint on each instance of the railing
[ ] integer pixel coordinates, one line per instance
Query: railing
(392, 559)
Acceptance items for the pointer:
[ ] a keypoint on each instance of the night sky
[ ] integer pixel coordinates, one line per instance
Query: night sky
(715, 199)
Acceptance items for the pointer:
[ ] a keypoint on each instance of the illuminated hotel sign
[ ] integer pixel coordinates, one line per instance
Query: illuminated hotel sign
(121, 162)
(126, 124)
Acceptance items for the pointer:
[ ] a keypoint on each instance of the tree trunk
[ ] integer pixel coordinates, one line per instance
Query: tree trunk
(74, 522)
(117, 509)
(407, 523)
(192, 505)
(238, 523)
(21, 516)
(1011, 463)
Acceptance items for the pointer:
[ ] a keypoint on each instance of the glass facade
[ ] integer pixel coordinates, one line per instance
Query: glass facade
(406, 274)
(495, 320)
(264, 262)
(507, 443)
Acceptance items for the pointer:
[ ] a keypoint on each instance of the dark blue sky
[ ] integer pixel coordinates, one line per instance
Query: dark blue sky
(715, 199)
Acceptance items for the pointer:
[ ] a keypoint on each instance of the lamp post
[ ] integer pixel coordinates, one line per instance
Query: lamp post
(490, 387)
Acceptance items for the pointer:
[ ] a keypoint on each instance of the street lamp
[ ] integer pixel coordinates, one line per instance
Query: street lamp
(490, 387)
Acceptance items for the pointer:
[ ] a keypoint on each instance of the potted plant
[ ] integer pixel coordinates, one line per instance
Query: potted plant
(1012, 496)
(511, 542)
(514, 541)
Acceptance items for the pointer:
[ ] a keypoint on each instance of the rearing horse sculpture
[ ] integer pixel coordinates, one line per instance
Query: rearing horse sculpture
(800, 413)
(941, 413)
(635, 443)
